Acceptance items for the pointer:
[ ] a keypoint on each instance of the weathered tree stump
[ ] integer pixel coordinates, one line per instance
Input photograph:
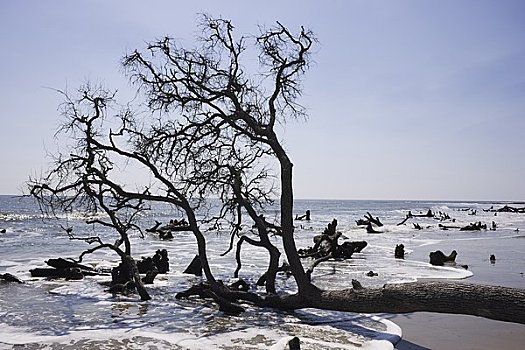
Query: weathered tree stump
(10, 278)
(438, 258)
(399, 252)
(195, 267)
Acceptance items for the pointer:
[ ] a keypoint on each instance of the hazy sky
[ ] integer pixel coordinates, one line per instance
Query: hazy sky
(406, 100)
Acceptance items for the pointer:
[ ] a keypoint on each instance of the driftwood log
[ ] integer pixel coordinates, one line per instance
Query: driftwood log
(494, 302)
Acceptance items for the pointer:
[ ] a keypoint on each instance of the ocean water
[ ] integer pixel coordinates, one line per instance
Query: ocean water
(44, 314)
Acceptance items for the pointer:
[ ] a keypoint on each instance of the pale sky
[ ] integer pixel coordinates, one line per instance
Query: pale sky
(406, 99)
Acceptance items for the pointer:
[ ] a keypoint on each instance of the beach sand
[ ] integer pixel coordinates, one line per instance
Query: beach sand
(424, 330)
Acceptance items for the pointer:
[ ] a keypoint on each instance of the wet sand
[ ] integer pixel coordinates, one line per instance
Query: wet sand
(424, 330)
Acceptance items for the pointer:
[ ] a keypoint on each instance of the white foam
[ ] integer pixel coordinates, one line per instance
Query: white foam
(249, 338)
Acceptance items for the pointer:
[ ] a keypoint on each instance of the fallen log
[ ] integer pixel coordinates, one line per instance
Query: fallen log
(494, 302)
(61, 263)
(68, 273)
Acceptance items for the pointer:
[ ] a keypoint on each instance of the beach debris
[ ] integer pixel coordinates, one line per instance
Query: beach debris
(10, 278)
(166, 232)
(158, 261)
(399, 252)
(474, 226)
(373, 220)
(509, 209)
(446, 227)
(294, 344)
(369, 220)
(370, 229)
(306, 216)
(361, 222)
(438, 258)
(63, 268)
(195, 267)
(357, 285)
(428, 214)
(326, 245)
(150, 276)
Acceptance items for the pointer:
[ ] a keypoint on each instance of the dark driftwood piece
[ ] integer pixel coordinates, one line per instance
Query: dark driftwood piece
(446, 227)
(195, 267)
(373, 220)
(61, 263)
(150, 276)
(399, 252)
(68, 273)
(509, 209)
(306, 216)
(438, 258)
(370, 229)
(476, 226)
(10, 278)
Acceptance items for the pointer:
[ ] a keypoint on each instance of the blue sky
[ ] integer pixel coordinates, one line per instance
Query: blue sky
(406, 99)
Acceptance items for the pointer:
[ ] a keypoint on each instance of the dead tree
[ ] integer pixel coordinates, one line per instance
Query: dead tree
(212, 133)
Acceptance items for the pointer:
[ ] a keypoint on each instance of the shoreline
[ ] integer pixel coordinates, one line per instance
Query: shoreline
(425, 330)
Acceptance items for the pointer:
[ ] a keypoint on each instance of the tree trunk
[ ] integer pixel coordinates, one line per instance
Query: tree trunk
(302, 280)
(494, 302)
(141, 289)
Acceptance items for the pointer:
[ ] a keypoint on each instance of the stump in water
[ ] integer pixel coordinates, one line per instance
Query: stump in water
(399, 253)
(438, 258)
(161, 261)
(10, 278)
(195, 267)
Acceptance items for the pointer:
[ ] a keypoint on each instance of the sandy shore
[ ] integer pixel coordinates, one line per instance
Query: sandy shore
(423, 330)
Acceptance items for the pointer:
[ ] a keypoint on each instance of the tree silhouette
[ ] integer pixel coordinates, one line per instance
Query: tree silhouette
(210, 132)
